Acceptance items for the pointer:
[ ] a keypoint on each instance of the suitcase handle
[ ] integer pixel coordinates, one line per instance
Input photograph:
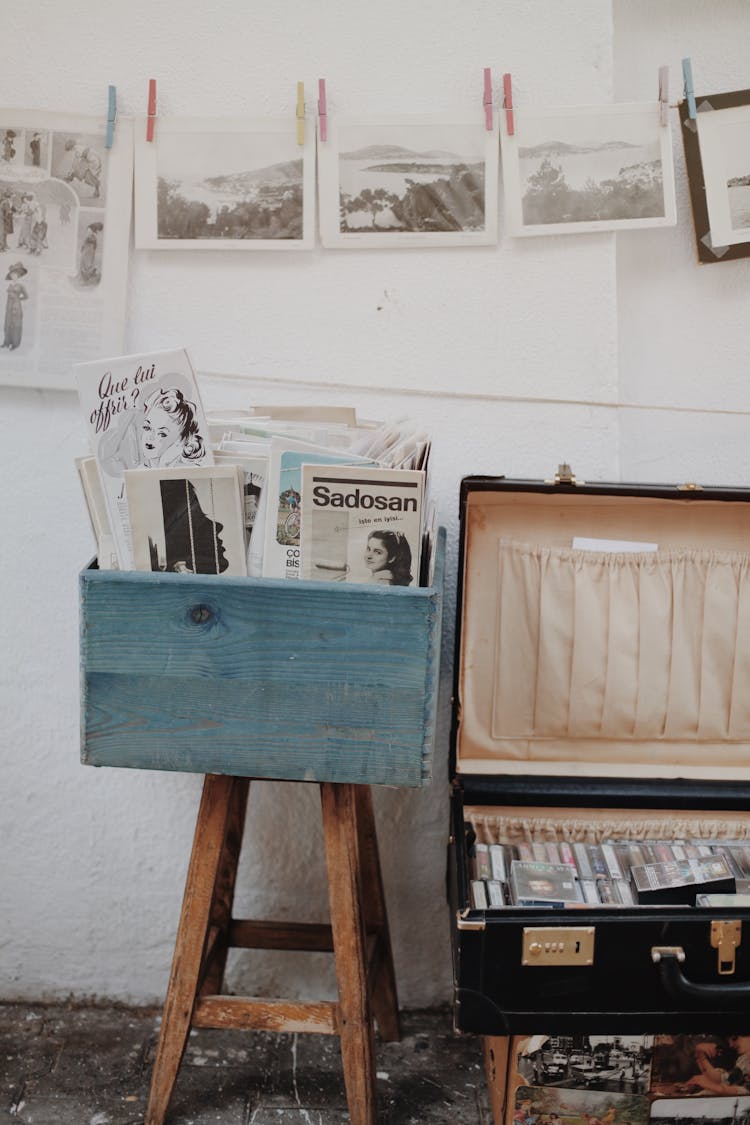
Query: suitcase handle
(677, 985)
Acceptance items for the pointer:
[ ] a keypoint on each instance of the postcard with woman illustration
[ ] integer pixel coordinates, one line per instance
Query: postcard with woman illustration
(65, 202)
(577, 169)
(141, 411)
(187, 521)
(408, 181)
(225, 184)
(362, 525)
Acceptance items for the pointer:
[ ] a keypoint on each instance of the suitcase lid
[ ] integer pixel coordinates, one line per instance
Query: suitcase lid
(608, 670)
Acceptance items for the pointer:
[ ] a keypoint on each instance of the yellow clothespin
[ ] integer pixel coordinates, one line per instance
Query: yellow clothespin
(300, 113)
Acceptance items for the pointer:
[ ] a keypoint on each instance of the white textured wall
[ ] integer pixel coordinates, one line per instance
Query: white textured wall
(93, 861)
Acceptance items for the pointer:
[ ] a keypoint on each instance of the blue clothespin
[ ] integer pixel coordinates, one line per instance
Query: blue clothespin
(111, 115)
(687, 74)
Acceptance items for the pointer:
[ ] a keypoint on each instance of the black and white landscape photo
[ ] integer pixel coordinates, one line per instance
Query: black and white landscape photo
(231, 186)
(617, 1064)
(414, 181)
(724, 137)
(568, 170)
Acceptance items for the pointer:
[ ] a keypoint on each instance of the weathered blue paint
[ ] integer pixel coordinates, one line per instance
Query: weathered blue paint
(315, 681)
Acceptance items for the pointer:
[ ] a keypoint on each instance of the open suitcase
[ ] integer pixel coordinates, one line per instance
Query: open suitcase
(602, 703)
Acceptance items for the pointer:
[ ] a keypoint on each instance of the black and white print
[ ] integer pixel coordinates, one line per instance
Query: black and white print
(616, 1064)
(724, 138)
(570, 170)
(141, 411)
(65, 203)
(225, 185)
(78, 159)
(415, 181)
(187, 521)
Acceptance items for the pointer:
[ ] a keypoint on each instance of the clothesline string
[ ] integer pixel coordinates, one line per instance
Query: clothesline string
(478, 397)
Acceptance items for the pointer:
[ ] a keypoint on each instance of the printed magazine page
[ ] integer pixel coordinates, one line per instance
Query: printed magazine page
(188, 521)
(282, 513)
(362, 525)
(106, 555)
(65, 206)
(141, 411)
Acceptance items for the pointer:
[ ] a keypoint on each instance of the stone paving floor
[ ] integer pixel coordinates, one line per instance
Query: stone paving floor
(78, 1065)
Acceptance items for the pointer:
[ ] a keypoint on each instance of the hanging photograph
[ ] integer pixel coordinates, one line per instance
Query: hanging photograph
(65, 204)
(221, 184)
(570, 170)
(410, 181)
(717, 157)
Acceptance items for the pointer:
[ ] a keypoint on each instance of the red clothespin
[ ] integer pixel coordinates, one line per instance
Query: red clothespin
(151, 109)
(664, 95)
(508, 104)
(488, 99)
(322, 109)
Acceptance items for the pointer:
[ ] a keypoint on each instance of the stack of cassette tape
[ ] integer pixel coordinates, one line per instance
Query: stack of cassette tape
(614, 873)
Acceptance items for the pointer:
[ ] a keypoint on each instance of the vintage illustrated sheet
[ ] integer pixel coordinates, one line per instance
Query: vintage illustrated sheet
(141, 412)
(65, 207)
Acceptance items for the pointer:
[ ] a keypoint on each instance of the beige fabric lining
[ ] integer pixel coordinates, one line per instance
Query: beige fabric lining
(585, 660)
(501, 825)
(598, 645)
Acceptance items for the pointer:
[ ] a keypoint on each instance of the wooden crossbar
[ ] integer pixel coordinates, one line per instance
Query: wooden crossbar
(358, 936)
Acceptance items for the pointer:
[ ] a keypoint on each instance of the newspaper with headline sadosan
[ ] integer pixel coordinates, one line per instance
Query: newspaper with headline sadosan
(362, 524)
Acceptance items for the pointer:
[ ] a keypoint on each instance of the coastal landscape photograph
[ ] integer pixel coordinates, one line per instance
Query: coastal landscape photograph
(408, 181)
(594, 170)
(229, 186)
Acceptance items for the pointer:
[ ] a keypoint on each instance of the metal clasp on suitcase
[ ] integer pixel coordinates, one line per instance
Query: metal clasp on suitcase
(725, 937)
(564, 475)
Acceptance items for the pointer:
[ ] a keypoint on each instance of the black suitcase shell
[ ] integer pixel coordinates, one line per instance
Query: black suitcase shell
(627, 989)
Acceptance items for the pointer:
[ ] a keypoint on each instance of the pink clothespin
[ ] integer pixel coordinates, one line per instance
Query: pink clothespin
(322, 109)
(488, 99)
(508, 104)
(664, 95)
(151, 109)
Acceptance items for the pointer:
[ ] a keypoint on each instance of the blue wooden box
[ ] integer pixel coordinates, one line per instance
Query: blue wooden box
(308, 681)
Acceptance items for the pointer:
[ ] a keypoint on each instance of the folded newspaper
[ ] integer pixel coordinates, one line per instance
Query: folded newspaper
(362, 524)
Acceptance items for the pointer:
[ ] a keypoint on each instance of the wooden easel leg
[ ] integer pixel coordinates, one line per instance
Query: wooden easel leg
(347, 920)
(223, 898)
(384, 994)
(205, 860)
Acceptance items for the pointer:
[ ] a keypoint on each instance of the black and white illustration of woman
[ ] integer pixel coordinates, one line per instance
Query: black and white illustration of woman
(16, 295)
(88, 269)
(7, 146)
(7, 211)
(192, 539)
(388, 558)
(162, 434)
(169, 431)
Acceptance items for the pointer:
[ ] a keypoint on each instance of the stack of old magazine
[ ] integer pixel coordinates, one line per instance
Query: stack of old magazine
(275, 492)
